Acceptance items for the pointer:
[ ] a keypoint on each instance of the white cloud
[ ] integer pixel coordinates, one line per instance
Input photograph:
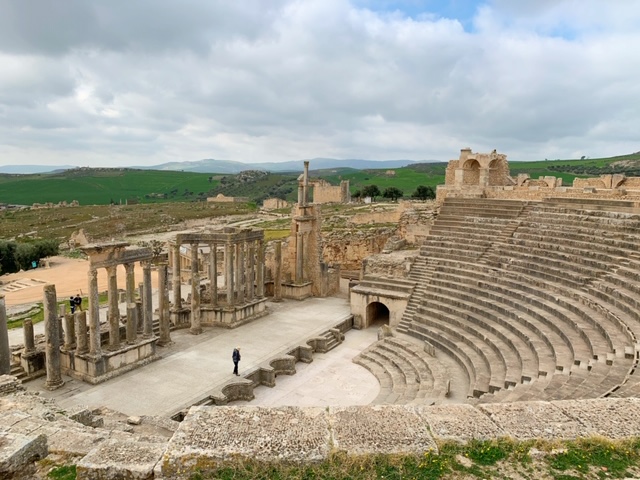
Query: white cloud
(123, 83)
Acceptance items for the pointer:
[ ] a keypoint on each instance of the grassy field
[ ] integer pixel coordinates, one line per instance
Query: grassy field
(105, 221)
(103, 186)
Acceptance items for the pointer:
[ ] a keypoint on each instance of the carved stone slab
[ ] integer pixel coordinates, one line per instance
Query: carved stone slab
(209, 435)
(380, 429)
(460, 422)
(118, 459)
(610, 417)
(531, 420)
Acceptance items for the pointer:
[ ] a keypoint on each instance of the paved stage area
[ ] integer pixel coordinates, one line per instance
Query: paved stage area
(196, 365)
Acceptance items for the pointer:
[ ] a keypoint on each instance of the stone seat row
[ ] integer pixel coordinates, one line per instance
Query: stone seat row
(605, 335)
(406, 375)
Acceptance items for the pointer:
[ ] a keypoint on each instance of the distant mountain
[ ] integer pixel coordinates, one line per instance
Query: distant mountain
(228, 166)
(26, 169)
(211, 165)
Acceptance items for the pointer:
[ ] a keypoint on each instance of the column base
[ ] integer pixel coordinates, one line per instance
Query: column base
(53, 385)
(195, 330)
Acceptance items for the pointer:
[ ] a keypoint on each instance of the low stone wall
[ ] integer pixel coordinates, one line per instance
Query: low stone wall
(210, 435)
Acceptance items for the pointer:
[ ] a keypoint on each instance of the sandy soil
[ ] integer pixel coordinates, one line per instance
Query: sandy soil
(69, 275)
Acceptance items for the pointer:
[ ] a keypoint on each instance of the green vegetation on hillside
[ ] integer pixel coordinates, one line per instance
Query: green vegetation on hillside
(101, 186)
(106, 221)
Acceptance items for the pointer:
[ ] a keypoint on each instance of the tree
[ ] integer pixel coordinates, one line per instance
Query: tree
(357, 194)
(371, 191)
(393, 193)
(424, 193)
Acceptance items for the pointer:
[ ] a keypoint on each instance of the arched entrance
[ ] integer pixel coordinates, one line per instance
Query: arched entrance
(471, 175)
(377, 314)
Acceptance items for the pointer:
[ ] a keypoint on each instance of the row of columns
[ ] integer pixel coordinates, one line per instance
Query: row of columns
(75, 335)
(243, 274)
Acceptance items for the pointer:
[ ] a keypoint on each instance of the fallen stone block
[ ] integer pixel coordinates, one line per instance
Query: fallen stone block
(18, 454)
(118, 460)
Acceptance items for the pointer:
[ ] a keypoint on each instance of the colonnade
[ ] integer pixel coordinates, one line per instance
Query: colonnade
(242, 265)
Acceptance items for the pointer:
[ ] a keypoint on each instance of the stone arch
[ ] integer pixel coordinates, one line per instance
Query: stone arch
(377, 312)
(498, 171)
(471, 172)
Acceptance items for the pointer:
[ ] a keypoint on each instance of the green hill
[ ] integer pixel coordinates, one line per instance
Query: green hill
(102, 186)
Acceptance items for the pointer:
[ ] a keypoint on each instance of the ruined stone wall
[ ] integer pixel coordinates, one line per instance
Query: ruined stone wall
(274, 203)
(324, 192)
(415, 221)
(499, 173)
(220, 198)
(381, 215)
(450, 172)
(389, 265)
(588, 182)
(349, 247)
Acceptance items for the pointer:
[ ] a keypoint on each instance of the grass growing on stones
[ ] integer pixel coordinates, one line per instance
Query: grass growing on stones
(36, 314)
(65, 472)
(583, 459)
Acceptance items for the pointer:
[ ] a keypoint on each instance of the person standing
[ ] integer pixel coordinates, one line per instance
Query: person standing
(236, 359)
(72, 304)
(78, 302)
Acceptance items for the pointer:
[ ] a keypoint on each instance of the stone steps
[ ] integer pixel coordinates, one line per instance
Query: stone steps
(563, 323)
(406, 376)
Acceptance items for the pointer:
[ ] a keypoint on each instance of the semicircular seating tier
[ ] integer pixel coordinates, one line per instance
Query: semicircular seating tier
(531, 300)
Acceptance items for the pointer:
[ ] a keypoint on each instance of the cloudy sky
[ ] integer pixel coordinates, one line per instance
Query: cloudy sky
(142, 82)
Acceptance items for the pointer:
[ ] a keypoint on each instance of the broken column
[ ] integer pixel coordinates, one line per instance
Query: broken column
(52, 339)
(69, 332)
(5, 351)
(80, 325)
(29, 337)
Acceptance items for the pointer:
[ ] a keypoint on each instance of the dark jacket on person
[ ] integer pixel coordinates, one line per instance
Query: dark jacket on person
(236, 355)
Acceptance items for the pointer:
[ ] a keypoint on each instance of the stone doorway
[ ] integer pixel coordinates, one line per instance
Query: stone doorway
(377, 314)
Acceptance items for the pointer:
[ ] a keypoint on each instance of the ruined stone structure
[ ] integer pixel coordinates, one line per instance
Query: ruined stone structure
(221, 198)
(274, 204)
(305, 273)
(239, 297)
(323, 192)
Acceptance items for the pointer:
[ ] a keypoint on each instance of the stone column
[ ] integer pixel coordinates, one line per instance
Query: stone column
(228, 273)
(29, 337)
(114, 312)
(260, 270)
(300, 195)
(299, 257)
(140, 309)
(80, 320)
(277, 280)
(52, 339)
(131, 299)
(132, 322)
(163, 296)
(147, 300)
(305, 185)
(196, 328)
(5, 351)
(213, 273)
(69, 332)
(251, 270)
(177, 283)
(94, 314)
(241, 272)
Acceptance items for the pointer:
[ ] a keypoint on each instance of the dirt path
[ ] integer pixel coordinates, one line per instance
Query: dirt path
(69, 275)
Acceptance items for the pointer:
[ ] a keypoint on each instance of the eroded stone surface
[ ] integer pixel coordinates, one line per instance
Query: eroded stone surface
(460, 423)
(116, 459)
(531, 420)
(611, 417)
(379, 429)
(211, 434)
(18, 452)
